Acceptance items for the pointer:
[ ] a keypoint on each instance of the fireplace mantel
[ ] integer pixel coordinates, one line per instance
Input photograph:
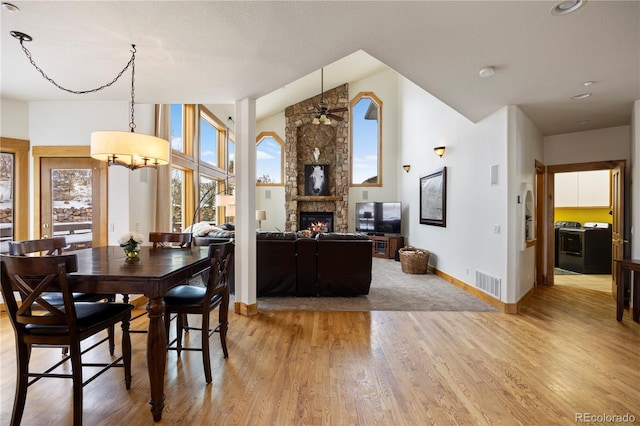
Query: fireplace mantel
(317, 198)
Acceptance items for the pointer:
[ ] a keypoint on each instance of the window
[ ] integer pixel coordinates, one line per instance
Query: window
(200, 169)
(14, 191)
(177, 199)
(231, 155)
(269, 159)
(366, 140)
(7, 178)
(208, 190)
(212, 137)
(177, 121)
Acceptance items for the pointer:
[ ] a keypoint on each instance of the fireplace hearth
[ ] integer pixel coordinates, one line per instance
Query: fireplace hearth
(316, 221)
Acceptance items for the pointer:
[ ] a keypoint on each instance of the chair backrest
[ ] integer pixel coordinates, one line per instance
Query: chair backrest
(46, 246)
(170, 239)
(31, 277)
(218, 278)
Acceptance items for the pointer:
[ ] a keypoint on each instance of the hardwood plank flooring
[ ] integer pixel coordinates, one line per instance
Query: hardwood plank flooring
(563, 354)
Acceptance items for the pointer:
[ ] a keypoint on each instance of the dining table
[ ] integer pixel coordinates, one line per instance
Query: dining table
(108, 270)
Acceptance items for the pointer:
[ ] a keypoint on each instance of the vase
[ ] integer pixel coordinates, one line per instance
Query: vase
(133, 254)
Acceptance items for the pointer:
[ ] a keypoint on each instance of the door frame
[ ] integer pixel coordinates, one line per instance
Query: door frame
(39, 152)
(550, 234)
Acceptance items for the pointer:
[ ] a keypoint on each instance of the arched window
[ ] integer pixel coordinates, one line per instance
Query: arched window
(366, 140)
(269, 159)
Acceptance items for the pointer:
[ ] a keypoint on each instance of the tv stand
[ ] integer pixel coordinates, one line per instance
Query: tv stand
(385, 246)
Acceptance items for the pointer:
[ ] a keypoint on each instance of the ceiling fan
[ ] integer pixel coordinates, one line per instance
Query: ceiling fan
(324, 114)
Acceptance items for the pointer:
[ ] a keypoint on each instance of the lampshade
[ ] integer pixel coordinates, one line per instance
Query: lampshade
(261, 214)
(230, 210)
(225, 199)
(439, 150)
(129, 149)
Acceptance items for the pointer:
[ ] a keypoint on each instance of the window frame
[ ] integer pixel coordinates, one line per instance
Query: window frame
(20, 150)
(357, 98)
(278, 139)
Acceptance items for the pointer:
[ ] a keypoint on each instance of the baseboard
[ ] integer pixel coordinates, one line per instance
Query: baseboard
(244, 309)
(498, 304)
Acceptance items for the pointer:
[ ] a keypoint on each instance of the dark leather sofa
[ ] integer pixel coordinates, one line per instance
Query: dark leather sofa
(331, 264)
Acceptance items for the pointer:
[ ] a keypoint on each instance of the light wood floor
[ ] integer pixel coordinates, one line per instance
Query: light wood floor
(599, 282)
(563, 354)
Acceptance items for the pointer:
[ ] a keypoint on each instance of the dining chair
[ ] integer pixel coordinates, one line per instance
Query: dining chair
(37, 322)
(55, 246)
(170, 239)
(190, 299)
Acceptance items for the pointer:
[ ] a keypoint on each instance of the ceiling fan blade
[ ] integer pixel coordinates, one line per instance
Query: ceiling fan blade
(335, 117)
(341, 109)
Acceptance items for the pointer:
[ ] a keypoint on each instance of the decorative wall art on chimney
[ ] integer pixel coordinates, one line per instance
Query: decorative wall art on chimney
(316, 179)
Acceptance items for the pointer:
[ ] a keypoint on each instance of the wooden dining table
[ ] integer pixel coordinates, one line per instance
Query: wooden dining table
(107, 270)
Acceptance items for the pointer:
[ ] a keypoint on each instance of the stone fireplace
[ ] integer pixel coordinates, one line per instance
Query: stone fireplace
(302, 137)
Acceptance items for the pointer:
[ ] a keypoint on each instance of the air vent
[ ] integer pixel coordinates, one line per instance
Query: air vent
(488, 284)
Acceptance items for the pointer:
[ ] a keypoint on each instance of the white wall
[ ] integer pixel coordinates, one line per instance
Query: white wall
(582, 147)
(14, 119)
(526, 145)
(71, 123)
(475, 208)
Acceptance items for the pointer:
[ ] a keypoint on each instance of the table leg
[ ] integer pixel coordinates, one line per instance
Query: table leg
(619, 292)
(636, 295)
(156, 355)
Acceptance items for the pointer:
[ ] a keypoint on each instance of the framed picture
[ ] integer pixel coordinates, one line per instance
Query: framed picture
(316, 179)
(433, 198)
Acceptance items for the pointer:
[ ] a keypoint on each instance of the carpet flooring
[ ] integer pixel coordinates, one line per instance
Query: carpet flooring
(391, 290)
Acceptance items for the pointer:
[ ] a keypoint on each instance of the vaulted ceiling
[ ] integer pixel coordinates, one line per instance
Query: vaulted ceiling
(218, 52)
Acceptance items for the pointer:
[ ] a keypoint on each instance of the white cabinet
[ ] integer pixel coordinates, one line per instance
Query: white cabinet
(583, 189)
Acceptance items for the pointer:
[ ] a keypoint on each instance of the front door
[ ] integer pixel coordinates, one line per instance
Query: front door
(617, 233)
(72, 201)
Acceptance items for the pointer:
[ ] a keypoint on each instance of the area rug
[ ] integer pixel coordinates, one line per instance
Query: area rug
(391, 290)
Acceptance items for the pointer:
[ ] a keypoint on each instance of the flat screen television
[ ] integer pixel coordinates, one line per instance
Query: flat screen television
(379, 218)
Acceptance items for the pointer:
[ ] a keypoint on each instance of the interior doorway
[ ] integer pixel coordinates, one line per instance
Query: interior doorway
(617, 215)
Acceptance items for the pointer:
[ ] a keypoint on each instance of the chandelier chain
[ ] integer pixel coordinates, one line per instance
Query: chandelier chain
(80, 92)
(132, 124)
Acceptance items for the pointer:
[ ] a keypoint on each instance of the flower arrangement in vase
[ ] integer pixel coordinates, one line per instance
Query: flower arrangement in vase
(130, 242)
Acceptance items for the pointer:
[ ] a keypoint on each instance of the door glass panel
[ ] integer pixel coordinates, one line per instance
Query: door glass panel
(71, 202)
(6, 200)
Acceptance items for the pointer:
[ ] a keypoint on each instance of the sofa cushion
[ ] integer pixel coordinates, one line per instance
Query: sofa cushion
(324, 236)
(267, 235)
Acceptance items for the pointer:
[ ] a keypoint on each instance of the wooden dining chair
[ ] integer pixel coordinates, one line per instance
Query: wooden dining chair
(37, 322)
(189, 299)
(170, 239)
(55, 246)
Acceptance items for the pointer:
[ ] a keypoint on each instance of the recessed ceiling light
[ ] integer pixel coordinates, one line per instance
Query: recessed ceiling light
(581, 96)
(487, 71)
(10, 7)
(587, 83)
(567, 6)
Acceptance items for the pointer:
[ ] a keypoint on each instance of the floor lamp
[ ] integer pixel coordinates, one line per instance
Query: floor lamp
(260, 216)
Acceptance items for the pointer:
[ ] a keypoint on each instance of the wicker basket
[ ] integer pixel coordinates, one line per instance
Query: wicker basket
(414, 260)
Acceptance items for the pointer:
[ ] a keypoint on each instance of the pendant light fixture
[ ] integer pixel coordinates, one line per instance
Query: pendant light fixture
(128, 149)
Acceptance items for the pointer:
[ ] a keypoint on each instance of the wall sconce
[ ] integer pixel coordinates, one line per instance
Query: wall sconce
(439, 150)
(407, 167)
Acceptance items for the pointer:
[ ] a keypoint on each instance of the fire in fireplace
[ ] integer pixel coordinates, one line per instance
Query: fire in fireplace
(316, 221)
